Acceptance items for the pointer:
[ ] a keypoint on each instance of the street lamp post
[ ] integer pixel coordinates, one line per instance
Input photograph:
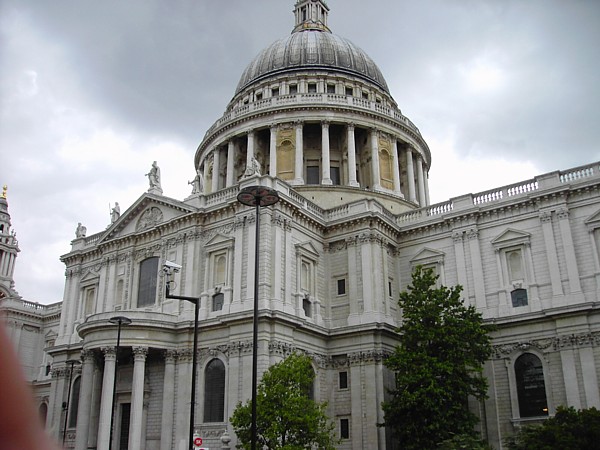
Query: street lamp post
(72, 362)
(119, 321)
(168, 269)
(256, 196)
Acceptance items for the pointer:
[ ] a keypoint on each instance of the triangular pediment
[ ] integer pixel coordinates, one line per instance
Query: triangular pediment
(149, 211)
(308, 249)
(594, 220)
(219, 241)
(427, 255)
(90, 277)
(510, 236)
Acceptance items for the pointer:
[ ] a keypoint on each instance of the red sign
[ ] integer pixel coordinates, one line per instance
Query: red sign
(197, 441)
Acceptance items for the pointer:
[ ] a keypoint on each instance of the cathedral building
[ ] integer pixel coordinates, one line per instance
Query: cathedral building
(313, 119)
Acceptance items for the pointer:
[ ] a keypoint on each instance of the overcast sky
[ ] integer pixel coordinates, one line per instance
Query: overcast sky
(91, 92)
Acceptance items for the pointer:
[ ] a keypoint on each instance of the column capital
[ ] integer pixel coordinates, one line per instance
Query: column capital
(299, 123)
(325, 123)
(139, 353)
(273, 126)
(170, 356)
(87, 354)
(250, 132)
(350, 126)
(109, 352)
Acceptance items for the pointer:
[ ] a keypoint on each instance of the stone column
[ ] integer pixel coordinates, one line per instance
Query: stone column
(107, 397)
(397, 189)
(166, 429)
(569, 249)
(351, 157)
(426, 178)
(477, 267)
(299, 161)
(206, 173)
(182, 407)
(137, 398)
(410, 173)
(375, 175)
(216, 165)
(230, 164)
(421, 181)
(250, 149)
(326, 169)
(273, 151)
(85, 400)
(567, 357)
(546, 219)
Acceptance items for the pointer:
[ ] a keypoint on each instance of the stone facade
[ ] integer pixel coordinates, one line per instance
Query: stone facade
(352, 222)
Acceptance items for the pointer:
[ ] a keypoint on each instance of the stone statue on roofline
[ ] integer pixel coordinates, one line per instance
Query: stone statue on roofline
(197, 183)
(253, 169)
(115, 213)
(81, 231)
(154, 179)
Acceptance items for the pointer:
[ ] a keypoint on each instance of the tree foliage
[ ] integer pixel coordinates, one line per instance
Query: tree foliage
(567, 430)
(287, 419)
(438, 365)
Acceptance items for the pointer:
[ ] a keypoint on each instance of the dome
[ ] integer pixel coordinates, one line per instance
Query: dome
(312, 47)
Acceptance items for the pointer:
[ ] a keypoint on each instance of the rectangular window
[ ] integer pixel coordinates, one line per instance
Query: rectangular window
(349, 91)
(519, 297)
(312, 174)
(147, 282)
(390, 291)
(344, 429)
(331, 88)
(312, 88)
(341, 286)
(365, 95)
(274, 92)
(343, 380)
(258, 96)
(293, 89)
(335, 175)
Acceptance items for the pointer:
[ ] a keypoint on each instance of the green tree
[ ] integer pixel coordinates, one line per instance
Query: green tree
(567, 430)
(437, 364)
(287, 419)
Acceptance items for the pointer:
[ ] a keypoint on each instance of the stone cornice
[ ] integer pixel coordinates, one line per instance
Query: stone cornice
(555, 343)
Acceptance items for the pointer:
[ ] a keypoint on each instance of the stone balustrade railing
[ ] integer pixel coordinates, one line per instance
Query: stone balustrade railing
(312, 98)
(31, 306)
(552, 180)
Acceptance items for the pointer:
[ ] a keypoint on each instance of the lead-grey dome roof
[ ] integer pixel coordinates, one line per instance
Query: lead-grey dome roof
(312, 49)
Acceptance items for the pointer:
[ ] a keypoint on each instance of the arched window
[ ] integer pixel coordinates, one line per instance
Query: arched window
(531, 388)
(74, 406)
(214, 391)
(220, 269)
(43, 413)
(147, 282)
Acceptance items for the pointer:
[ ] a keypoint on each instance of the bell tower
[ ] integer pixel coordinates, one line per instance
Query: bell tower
(311, 15)
(9, 247)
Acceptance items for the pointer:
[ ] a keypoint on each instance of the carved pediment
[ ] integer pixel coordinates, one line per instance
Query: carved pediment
(593, 221)
(427, 256)
(307, 249)
(90, 278)
(509, 237)
(219, 241)
(147, 212)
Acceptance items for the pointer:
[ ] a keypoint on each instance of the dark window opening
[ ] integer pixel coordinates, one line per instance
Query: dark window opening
(258, 96)
(312, 88)
(365, 95)
(519, 297)
(335, 175)
(349, 92)
(341, 286)
(343, 380)
(531, 388)
(124, 434)
(331, 88)
(274, 92)
(147, 283)
(74, 406)
(312, 174)
(344, 429)
(214, 391)
(390, 291)
(217, 301)
(293, 89)
(306, 306)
